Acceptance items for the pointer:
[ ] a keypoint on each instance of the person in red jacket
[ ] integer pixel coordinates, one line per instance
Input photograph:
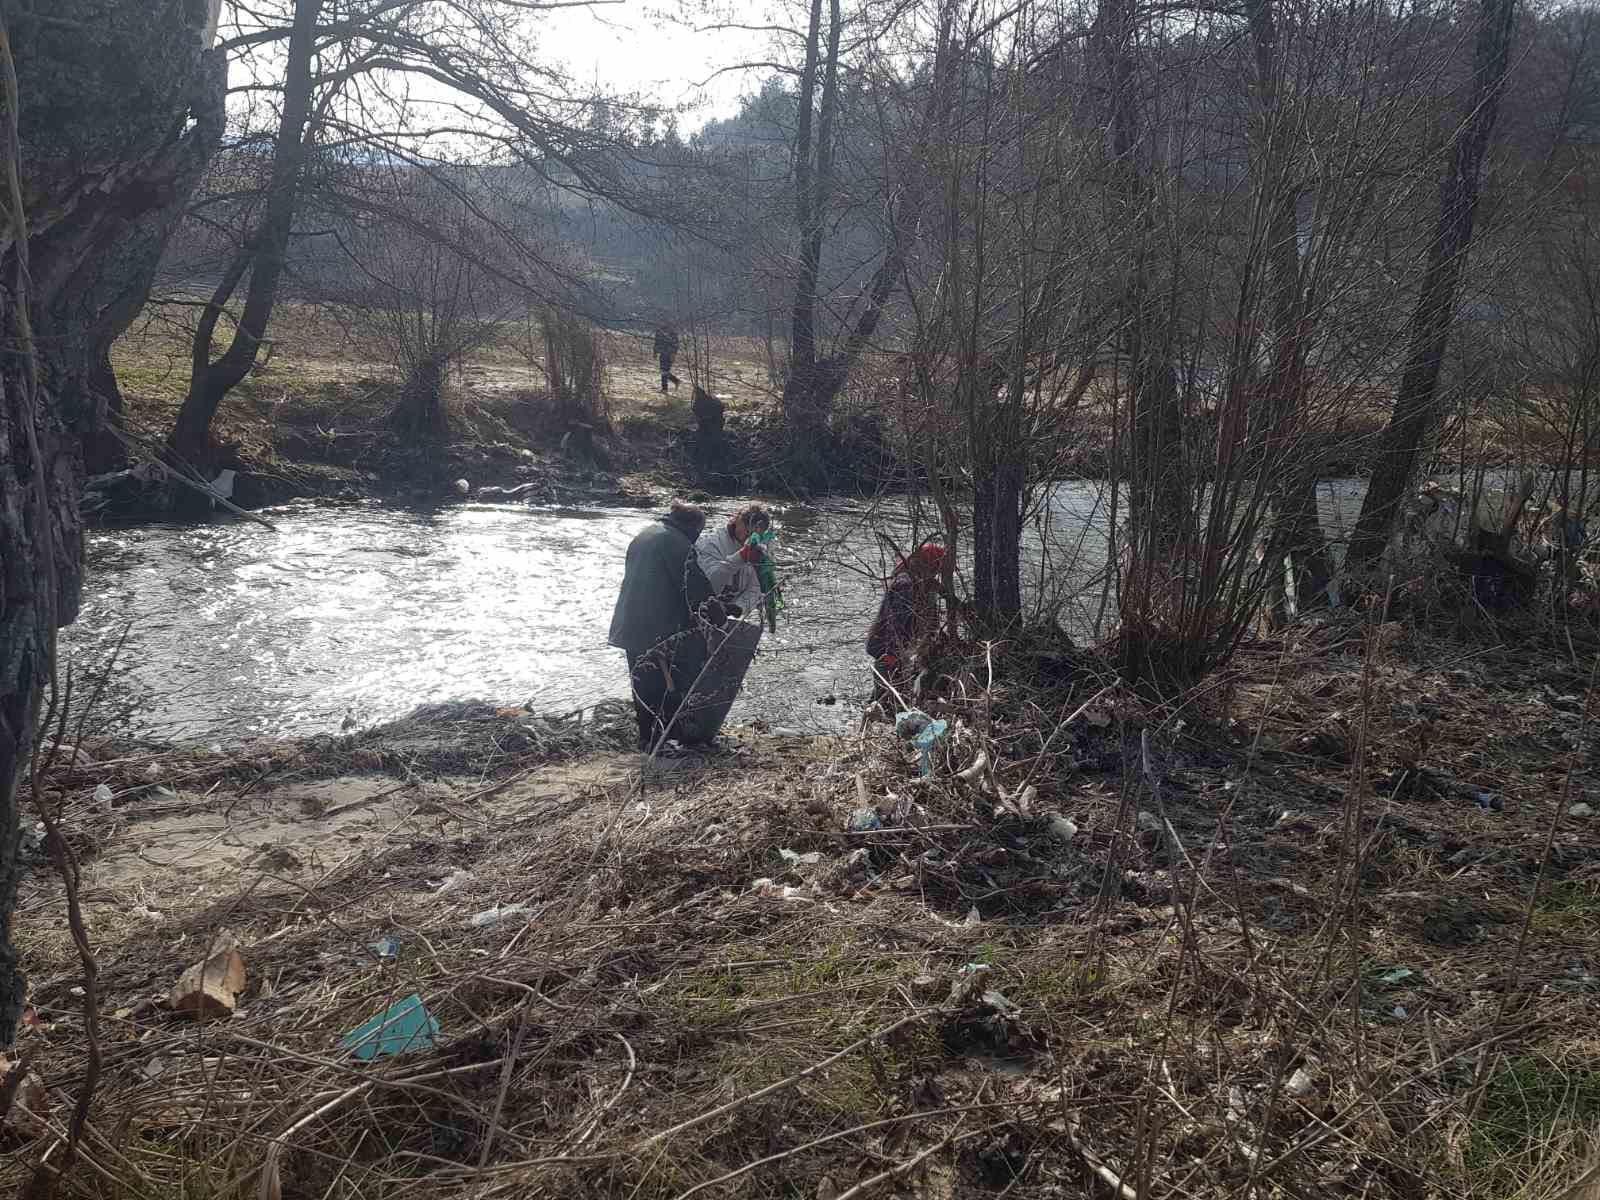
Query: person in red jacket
(909, 613)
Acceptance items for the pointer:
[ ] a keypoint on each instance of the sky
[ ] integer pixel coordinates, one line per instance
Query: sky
(660, 48)
(654, 48)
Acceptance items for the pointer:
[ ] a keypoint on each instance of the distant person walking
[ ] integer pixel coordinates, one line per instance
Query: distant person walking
(663, 588)
(666, 351)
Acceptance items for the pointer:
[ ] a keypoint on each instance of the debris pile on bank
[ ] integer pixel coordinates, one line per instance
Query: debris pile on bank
(1101, 944)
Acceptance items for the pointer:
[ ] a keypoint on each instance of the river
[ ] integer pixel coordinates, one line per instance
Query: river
(350, 615)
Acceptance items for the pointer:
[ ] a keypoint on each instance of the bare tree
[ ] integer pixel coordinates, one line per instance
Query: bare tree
(110, 114)
(816, 377)
(574, 362)
(348, 67)
(262, 256)
(430, 287)
(1417, 403)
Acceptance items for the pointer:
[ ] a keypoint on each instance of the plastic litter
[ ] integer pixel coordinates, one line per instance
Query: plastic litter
(1397, 975)
(387, 947)
(1149, 822)
(772, 889)
(1062, 827)
(104, 795)
(1580, 810)
(1490, 801)
(864, 819)
(1001, 1005)
(1299, 1084)
(971, 981)
(498, 915)
(801, 860)
(923, 732)
(452, 881)
(403, 1026)
(911, 722)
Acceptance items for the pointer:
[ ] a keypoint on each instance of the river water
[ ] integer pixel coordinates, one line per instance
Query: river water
(351, 615)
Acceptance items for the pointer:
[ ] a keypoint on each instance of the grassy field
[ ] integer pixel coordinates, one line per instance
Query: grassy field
(316, 410)
(322, 373)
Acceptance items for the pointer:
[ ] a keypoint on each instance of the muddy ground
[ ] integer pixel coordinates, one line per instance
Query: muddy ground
(1339, 937)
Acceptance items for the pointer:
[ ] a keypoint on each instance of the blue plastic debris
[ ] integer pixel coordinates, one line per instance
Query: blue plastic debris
(387, 947)
(403, 1026)
(864, 820)
(923, 732)
(911, 722)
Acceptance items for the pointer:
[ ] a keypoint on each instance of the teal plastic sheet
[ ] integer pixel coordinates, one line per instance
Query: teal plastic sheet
(400, 1028)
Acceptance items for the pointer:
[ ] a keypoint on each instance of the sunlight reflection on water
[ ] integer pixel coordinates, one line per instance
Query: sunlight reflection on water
(366, 611)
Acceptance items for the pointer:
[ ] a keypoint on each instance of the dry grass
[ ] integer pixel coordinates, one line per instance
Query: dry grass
(317, 359)
(1204, 1000)
(314, 414)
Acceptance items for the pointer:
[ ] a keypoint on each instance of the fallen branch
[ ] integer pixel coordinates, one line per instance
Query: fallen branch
(1096, 1164)
(594, 1122)
(133, 441)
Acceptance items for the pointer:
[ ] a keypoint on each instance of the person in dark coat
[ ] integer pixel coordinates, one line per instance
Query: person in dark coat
(663, 590)
(908, 614)
(666, 351)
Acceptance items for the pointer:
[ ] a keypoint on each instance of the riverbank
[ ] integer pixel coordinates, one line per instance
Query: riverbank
(1339, 936)
(310, 422)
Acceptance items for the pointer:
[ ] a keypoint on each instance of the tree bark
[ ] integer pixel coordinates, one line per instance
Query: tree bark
(804, 410)
(1299, 533)
(1417, 404)
(121, 106)
(262, 257)
(998, 493)
(813, 383)
(1160, 518)
(102, 451)
(420, 413)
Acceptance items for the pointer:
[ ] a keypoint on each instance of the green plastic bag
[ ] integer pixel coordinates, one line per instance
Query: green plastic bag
(767, 574)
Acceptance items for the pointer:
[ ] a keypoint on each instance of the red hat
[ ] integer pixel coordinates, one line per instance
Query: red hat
(928, 556)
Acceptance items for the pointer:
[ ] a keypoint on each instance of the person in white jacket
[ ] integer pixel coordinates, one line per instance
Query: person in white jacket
(729, 561)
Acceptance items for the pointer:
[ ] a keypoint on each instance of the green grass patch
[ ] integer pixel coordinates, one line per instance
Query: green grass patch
(1533, 1108)
(1568, 908)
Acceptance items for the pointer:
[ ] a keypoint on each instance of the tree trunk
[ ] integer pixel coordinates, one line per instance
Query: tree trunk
(806, 398)
(1417, 404)
(121, 107)
(997, 544)
(1160, 518)
(813, 384)
(262, 257)
(102, 451)
(1298, 534)
(421, 412)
